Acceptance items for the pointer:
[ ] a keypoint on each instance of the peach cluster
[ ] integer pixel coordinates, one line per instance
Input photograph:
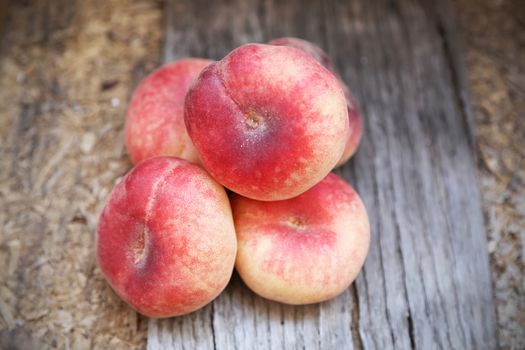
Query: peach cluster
(268, 122)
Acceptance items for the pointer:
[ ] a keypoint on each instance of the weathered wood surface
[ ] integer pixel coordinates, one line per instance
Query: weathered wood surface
(425, 283)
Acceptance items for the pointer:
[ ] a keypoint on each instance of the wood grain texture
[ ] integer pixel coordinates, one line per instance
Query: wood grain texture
(425, 284)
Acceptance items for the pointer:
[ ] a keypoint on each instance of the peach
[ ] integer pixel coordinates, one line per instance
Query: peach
(165, 240)
(269, 122)
(354, 117)
(155, 118)
(302, 250)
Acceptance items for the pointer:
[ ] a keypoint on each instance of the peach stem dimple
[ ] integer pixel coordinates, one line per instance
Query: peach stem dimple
(295, 222)
(254, 120)
(140, 247)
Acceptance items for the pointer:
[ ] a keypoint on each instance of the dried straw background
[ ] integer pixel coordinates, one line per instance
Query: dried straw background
(66, 73)
(494, 40)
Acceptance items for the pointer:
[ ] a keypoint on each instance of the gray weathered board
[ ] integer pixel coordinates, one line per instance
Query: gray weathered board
(426, 282)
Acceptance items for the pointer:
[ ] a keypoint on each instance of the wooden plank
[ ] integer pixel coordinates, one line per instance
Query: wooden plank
(426, 281)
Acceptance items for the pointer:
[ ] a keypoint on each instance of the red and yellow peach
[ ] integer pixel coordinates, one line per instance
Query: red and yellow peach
(302, 250)
(165, 240)
(155, 118)
(269, 122)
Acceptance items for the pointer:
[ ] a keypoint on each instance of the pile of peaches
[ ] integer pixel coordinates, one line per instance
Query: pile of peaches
(232, 169)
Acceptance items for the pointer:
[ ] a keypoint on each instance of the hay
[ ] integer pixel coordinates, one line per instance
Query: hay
(64, 66)
(495, 46)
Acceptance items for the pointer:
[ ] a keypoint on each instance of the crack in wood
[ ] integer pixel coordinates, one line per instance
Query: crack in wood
(212, 312)
(356, 338)
(411, 331)
(455, 77)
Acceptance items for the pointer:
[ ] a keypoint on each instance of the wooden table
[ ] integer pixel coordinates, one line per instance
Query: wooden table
(426, 281)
